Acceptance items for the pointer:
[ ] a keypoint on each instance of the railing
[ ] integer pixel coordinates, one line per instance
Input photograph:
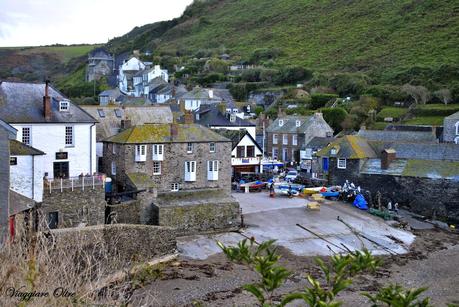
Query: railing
(72, 183)
(244, 161)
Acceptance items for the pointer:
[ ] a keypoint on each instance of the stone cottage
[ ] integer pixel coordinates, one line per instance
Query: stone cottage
(181, 174)
(451, 128)
(421, 176)
(287, 134)
(100, 63)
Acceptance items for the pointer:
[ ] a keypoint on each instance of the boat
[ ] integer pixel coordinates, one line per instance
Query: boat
(283, 189)
(330, 194)
(310, 191)
(253, 186)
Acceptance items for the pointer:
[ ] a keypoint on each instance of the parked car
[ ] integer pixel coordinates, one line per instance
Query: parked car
(291, 176)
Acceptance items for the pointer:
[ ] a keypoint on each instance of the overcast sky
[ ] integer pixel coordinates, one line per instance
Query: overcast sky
(44, 22)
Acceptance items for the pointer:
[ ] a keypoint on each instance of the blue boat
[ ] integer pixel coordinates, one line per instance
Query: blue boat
(330, 194)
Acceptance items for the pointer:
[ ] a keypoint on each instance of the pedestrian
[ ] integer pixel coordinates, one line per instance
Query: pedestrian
(396, 207)
(389, 206)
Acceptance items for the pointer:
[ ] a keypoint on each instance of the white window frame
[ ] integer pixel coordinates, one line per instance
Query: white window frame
(156, 167)
(190, 171)
(189, 147)
(276, 153)
(157, 152)
(295, 140)
(342, 165)
(113, 168)
(27, 141)
(175, 187)
(284, 139)
(212, 147)
(281, 122)
(457, 128)
(140, 153)
(275, 139)
(114, 149)
(298, 123)
(69, 136)
(456, 140)
(64, 105)
(212, 170)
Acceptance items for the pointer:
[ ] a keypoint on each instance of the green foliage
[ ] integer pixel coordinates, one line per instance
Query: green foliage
(292, 74)
(349, 84)
(146, 274)
(425, 120)
(240, 91)
(263, 54)
(396, 296)
(320, 100)
(217, 66)
(258, 110)
(435, 109)
(335, 117)
(387, 93)
(394, 112)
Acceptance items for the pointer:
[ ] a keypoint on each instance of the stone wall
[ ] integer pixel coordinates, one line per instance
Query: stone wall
(4, 182)
(280, 146)
(75, 207)
(449, 129)
(197, 212)
(426, 196)
(117, 245)
(337, 176)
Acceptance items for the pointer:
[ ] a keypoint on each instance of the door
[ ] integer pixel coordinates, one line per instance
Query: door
(53, 219)
(61, 170)
(325, 164)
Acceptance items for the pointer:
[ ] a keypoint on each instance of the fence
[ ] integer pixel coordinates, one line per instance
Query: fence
(72, 183)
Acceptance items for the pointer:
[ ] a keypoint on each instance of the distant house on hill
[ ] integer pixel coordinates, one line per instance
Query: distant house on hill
(199, 96)
(100, 63)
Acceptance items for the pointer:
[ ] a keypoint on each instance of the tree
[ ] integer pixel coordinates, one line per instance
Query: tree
(420, 94)
(335, 117)
(444, 95)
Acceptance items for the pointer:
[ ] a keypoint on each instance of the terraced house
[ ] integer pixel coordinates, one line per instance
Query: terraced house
(287, 134)
(180, 174)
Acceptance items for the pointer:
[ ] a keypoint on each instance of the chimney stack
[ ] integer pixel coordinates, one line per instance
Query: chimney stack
(174, 131)
(387, 156)
(188, 117)
(47, 102)
(126, 124)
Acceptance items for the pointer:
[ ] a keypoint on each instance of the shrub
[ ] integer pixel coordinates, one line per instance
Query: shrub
(290, 75)
(335, 117)
(320, 100)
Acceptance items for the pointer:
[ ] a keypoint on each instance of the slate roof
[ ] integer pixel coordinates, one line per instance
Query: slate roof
(23, 103)
(20, 149)
(453, 116)
(398, 136)
(199, 93)
(10, 129)
(110, 123)
(289, 125)
(349, 147)
(210, 116)
(114, 92)
(140, 180)
(19, 203)
(100, 53)
(161, 133)
(420, 151)
(319, 142)
(414, 168)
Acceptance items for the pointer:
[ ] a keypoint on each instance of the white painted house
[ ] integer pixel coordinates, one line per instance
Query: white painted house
(51, 123)
(26, 170)
(246, 154)
(199, 96)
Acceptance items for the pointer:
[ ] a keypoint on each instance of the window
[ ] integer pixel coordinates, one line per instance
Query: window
(275, 153)
(13, 161)
(275, 139)
(158, 152)
(114, 149)
(190, 171)
(457, 128)
(333, 151)
(156, 168)
(285, 139)
(342, 163)
(140, 153)
(298, 123)
(295, 139)
(26, 135)
(281, 122)
(284, 154)
(189, 147)
(240, 151)
(118, 113)
(212, 147)
(250, 151)
(69, 136)
(64, 105)
(101, 113)
(232, 118)
(175, 187)
(456, 140)
(212, 170)
(113, 168)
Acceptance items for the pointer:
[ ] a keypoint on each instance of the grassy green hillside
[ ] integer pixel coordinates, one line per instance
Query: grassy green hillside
(390, 39)
(37, 63)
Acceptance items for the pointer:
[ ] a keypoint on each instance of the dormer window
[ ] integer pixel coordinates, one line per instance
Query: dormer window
(232, 118)
(333, 151)
(64, 105)
(298, 123)
(281, 122)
